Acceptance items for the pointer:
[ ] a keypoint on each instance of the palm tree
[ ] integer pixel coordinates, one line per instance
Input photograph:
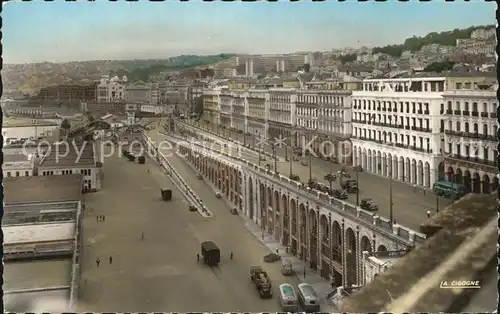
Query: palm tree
(330, 178)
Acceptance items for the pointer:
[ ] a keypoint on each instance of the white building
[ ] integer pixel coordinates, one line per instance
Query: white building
(74, 158)
(396, 128)
(111, 89)
(29, 129)
(143, 94)
(470, 141)
(18, 165)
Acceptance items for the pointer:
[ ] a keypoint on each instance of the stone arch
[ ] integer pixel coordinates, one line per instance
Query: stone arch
(450, 174)
(458, 176)
(413, 174)
(369, 165)
(295, 224)
(486, 184)
(440, 171)
(313, 238)
(302, 236)
(420, 172)
(427, 175)
(476, 183)
(250, 199)
(377, 162)
(402, 169)
(381, 248)
(285, 221)
(325, 230)
(467, 181)
(365, 244)
(494, 184)
(337, 242)
(263, 203)
(351, 249)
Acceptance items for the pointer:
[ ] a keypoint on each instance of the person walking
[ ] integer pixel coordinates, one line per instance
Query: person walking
(97, 218)
(231, 256)
(97, 261)
(197, 257)
(110, 260)
(103, 218)
(142, 235)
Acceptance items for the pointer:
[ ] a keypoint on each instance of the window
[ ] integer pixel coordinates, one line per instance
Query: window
(17, 173)
(458, 85)
(26, 173)
(8, 173)
(458, 105)
(486, 153)
(485, 129)
(458, 127)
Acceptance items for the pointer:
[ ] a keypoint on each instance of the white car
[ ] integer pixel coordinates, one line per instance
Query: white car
(217, 194)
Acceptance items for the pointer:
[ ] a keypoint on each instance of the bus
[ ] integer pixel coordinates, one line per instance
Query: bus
(308, 298)
(288, 298)
(449, 189)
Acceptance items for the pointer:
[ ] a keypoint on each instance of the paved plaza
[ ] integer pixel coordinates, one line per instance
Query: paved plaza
(160, 273)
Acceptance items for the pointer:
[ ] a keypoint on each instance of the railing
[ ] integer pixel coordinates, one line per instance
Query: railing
(375, 222)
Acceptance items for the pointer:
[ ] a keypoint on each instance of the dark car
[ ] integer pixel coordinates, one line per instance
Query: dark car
(294, 177)
(351, 186)
(368, 204)
(339, 194)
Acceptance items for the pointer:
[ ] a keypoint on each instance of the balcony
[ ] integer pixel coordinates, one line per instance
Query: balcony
(484, 115)
(493, 115)
(449, 111)
(378, 108)
(466, 113)
(407, 127)
(325, 248)
(426, 111)
(473, 162)
(389, 109)
(474, 113)
(456, 112)
(419, 111)
(454, 133)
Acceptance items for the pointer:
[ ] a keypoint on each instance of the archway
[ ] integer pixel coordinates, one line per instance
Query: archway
(467, 181)
(450, 174)
(313, 239)
(263, 207)
(295, 224)
(476, 183)
(441, 174)
(402, 169)
(413, 176)
(381, 248)
(494, 185)
(337, 242)
(325, 246)
(395, 167)
(369, 165)
(486, 184)
(365, 244)
(303, 238)
(408, 172)
(458, 176)
(351, 258)
(427, 175)
(420, 173)
(286, 221)
(250, 198)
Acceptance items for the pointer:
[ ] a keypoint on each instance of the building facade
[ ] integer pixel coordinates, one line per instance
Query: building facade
(87, 92)
(469, 121)
(111, 89)
(396, 129)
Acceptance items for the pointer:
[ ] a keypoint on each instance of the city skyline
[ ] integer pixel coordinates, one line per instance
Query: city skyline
(32, 32)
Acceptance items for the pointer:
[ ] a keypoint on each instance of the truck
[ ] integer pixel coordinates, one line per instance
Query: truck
(261, 281)
(210, 253)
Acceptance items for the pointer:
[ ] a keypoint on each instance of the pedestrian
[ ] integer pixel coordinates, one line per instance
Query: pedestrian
(287, 249)
(142, 235)
(332, 284)
(97, 218)
(231, 256)
(428, 213)
(278, 251)
(111, 260)
(414, 188)
(197, 257)
(97, 261)
(103, 218)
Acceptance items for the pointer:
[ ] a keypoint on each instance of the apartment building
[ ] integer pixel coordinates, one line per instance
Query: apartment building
(396, 128)
(83, 92)
(469, 121)
(143, 94)
(111, 89)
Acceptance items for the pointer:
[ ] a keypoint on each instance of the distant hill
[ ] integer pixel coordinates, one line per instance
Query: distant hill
(30, 78)
(415, 43)
(144, 72)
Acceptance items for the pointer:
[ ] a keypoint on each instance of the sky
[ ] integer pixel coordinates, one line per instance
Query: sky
(61, 31)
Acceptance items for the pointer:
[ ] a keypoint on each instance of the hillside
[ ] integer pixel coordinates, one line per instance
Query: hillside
(415, 43)
(143, 73)
(30, 78)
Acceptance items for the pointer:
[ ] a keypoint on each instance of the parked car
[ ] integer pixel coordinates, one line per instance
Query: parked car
(304, 162)
(351, 186)
(294, 177)
(217, 194)
(340, 194)
(368, 204)
(199, 176)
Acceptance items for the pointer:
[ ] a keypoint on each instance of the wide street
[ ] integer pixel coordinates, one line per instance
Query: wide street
(161, 273)
(410, 205)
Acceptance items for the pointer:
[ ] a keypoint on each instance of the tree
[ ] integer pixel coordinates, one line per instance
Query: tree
(439, 66)
(330, 178)
(65, 124)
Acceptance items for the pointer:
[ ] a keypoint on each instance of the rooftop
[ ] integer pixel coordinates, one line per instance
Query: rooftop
(460, 246)
(11, 122)
(73, 154)
(39, 189)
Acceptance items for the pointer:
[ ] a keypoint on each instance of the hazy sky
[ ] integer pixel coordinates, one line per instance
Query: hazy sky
(61, 31)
